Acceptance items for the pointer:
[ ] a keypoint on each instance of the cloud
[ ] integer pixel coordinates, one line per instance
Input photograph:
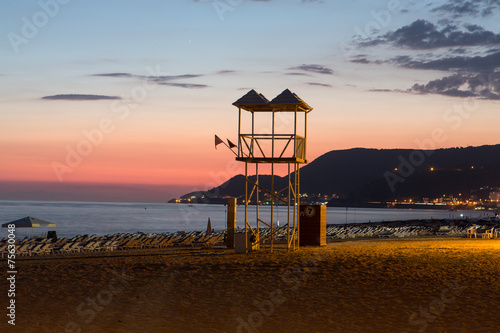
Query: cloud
(236, 2)
(115, 75)
(80, 97)
(173, 77)
(476, 77)
(459, 8)
(184, 85)
(361, 61)
(222, 72)
(164, 80)
(486, 63)
(468, 51)
(153, 78)
(460, 50)
(314, 68)
(296, 73)
(422, 34)
(482, 85)
(463, 85)
(381, 90)
(319, 84)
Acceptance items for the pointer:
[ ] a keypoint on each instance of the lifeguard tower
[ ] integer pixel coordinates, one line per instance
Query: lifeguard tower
(274, 136)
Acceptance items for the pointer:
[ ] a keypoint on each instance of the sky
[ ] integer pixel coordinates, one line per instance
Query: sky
(120, 100)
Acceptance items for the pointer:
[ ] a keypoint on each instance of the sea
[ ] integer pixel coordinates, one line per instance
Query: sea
(105, 218)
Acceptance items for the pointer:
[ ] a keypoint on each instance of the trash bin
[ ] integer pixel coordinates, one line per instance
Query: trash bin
(312, 225)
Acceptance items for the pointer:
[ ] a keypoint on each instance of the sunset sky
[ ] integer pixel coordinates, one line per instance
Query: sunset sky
(125, 96)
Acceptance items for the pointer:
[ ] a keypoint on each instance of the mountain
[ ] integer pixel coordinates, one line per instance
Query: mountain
(387, 174)
(364, 175)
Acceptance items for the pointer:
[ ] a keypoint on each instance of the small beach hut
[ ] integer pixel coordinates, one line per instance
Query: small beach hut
(29, 222)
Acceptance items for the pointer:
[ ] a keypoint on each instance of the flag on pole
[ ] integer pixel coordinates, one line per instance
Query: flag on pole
(218, 141)
(231, 145)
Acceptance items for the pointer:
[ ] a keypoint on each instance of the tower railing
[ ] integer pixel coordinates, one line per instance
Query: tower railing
(267, 148)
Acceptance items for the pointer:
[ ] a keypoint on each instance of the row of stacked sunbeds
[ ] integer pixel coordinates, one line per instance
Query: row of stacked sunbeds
(85, 243)
(417, 228)
(30, 246)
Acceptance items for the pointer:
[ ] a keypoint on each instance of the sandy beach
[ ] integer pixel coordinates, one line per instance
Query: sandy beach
(377, 285)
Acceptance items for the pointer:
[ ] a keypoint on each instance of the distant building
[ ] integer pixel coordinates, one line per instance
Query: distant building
(495, 196)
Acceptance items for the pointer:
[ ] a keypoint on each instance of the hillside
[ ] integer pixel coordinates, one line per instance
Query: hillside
(364, 175)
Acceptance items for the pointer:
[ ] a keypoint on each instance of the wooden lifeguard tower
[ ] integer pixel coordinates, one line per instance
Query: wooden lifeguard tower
(264, 144)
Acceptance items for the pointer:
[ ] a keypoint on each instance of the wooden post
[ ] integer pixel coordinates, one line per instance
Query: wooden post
(231, 222)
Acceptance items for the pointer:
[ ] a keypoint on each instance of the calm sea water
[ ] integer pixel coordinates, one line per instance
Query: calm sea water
(102, 218)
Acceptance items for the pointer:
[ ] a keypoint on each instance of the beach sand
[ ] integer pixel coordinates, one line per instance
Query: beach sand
(378, 285)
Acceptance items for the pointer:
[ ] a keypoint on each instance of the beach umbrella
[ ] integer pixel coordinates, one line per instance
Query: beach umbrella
(29, 222)
(209, 227)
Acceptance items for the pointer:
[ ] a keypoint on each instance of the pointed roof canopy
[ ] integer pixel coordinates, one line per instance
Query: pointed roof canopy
(252, 98)
(286, 101)
(29, 222)
(253, 101)
(289, 98)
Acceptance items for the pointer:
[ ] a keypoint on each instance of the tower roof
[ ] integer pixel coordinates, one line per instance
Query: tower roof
(252, 98)
(288, 98)
(286, 101)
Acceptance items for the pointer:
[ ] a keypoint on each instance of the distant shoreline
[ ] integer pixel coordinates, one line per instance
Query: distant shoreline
(382, 205)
